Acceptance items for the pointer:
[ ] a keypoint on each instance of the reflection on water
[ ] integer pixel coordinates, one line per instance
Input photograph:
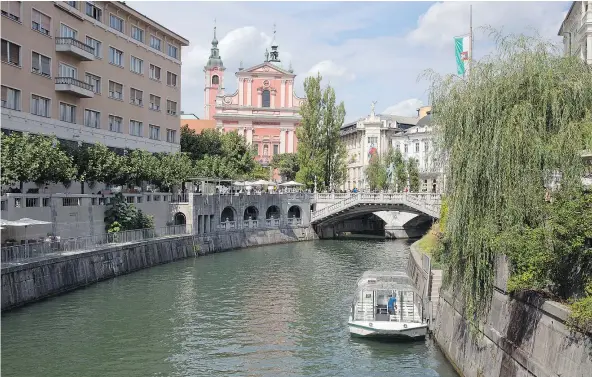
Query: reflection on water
(269, 311)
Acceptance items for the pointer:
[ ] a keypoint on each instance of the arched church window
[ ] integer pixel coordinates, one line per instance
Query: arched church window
(265, 98)
(215, 80)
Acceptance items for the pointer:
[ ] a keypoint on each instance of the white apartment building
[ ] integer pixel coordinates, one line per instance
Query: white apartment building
(576, 30)
(91, 72)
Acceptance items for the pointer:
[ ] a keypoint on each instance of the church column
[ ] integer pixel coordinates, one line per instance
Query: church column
(259, 91)
(290, 141)
(250, 135)
(283, 140)
(240, 91)
(249, 89)
(290, 92)
(283, 94)
(272, 99)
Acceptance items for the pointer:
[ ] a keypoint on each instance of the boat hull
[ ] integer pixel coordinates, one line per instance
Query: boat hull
(388, 330)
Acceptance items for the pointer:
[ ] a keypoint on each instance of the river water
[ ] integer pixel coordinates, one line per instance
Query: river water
(276, 310)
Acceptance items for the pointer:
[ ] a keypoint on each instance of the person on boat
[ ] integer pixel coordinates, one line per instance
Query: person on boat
(392, 304)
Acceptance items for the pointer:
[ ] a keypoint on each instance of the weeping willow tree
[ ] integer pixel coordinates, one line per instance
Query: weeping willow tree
(517, 120)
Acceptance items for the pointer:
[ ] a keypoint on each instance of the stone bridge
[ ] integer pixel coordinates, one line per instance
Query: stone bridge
(332, 211)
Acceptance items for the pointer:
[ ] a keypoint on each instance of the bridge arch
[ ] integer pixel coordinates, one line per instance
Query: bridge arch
(273, 212)
(228, 214)
(294, 212)
(251, 213)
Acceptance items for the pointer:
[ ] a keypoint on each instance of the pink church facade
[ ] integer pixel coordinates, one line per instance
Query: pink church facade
(264, 109)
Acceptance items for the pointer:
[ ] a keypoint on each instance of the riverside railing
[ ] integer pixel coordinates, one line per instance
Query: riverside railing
(54, 246)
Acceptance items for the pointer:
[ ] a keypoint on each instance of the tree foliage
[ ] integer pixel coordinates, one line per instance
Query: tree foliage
(287, 165)
(376, 173)
(413, 171)
(321, 152)
(518, 119)
(121, 216)
(96, 163)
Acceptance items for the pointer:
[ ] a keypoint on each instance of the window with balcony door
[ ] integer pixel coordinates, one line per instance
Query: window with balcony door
(40, 22)
(93, 11)
(154, 132)
(40, 106)
(265, 98)
(136, 97)
(11, 98)
(154, 72)
(12, 10)
(41, 64)
(154, 102)
(11, 53)
(115, 90)
(67, 32)
(67, 112)
(155, 43)
(94, 81)
(68, 71)
(115, 123)
(92, 118)
(96, 45)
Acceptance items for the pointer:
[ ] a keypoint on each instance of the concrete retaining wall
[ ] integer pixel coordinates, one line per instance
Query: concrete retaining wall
(522, 336)
(30, 282)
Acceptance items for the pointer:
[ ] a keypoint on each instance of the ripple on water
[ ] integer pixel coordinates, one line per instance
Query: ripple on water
(267, 311)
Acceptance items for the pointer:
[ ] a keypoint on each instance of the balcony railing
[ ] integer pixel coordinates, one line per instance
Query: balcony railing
(73, 81)
(75, 43)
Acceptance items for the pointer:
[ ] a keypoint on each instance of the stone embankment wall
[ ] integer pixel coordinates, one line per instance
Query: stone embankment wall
(23, 284)
(522, 336)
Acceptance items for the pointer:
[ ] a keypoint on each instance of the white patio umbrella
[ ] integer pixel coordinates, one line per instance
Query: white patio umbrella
(25, 221)
(291, 183)
(263, 182)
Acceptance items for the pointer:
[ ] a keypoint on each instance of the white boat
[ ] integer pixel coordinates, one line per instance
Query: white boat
(386, 305)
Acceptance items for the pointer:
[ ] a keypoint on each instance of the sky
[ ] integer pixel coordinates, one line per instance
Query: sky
(367, 51)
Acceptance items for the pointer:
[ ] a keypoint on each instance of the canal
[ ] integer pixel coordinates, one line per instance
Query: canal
(267, 311)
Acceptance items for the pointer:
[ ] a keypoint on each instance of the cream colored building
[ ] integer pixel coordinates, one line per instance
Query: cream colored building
(576, 30)
(91, 72)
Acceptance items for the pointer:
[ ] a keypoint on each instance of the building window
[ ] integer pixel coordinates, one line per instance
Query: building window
(276, 149)
(171, 136)
(138, 34)
(406, 148)
(12, 10)
(135, 128)
(256, 149)
(67, 32)
(11, 53)
(11, 98)
(40, 106)
(154, 132)
(373, 140)
(40, 22)
(171, 107)
(426, 146)
(116, 23)
(67, 113)
(95, 81)
(172, 51)
(154, 72)
(72, 4)
(136, 65)
(171, 79)
(115, 90)
(92, 118)
(215, 80)
(68, 71)
(93, 11)
(136, 97)
(155, 42)
(416, 147)
(115, 56)
(96, 45)
(265, 150)
(41, 65)
(115, 123)
(154, 102)
(265, 98)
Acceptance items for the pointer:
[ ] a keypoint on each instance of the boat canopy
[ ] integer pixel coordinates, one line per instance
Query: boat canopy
(386, 280)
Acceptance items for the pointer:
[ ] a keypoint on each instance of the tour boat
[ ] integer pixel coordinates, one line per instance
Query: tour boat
(386, 305)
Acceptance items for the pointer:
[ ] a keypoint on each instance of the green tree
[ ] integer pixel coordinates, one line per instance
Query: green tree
(401, 175)
(518, 118)
(287, 165)
(173, 169)
(138, 166)
(321, 153)
(376, 173)
(413, 170)
(96, 163)
(208, 142)
(394, 161)
(121, 216)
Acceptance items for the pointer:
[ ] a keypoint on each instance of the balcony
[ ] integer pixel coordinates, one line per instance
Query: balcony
(75, 48)
(73, 86)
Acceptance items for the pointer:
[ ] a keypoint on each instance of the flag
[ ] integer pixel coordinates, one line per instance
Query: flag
(462, 46)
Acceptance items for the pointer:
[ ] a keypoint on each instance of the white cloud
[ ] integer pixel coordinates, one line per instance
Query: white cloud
(407, 108)
(329, 69)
